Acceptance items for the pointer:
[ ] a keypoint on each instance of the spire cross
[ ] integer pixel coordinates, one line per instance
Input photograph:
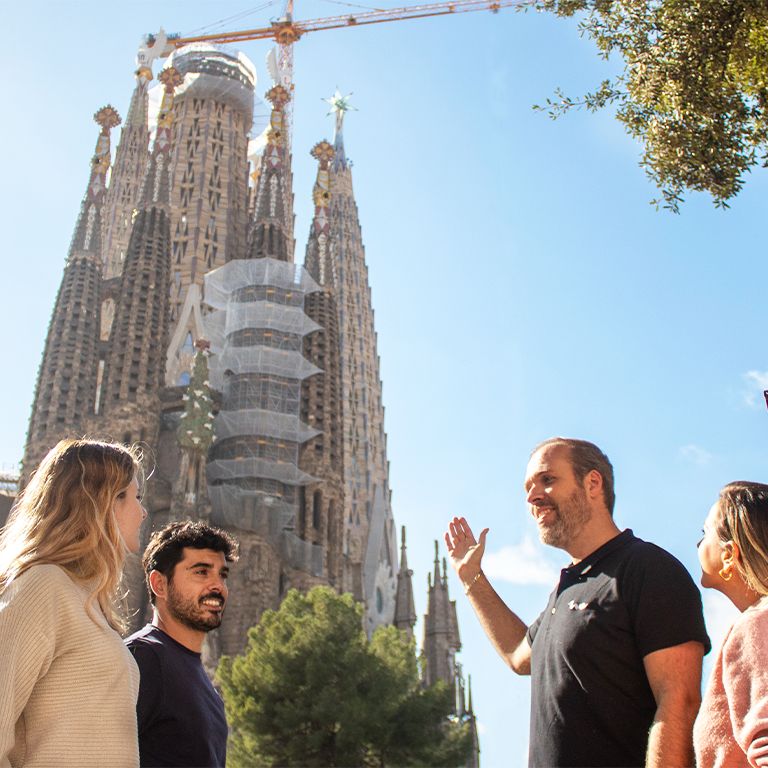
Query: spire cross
(322, 152)
(107, 117)
(171, 78)
(278, 97)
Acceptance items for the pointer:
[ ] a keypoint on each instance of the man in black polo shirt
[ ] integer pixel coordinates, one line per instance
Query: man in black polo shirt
(615, 657)
(180, 714)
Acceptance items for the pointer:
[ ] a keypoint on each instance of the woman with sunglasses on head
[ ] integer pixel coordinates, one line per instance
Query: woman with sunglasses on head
(68, 684)
(732, 727)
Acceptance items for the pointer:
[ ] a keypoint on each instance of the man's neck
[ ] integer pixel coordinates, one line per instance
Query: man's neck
(597, 533)
(181, 633)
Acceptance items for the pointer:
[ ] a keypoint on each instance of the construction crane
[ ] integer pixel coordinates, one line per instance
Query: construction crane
(286, 31)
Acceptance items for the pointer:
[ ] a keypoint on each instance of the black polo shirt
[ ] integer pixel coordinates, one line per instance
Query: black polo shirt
(591, 703)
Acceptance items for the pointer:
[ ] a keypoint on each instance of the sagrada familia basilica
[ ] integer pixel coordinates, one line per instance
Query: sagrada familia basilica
(183, 322)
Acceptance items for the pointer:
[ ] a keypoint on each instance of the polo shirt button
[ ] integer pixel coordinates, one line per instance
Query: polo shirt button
(554, 609)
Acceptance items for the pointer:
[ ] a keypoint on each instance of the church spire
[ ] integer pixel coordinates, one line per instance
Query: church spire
(65, 392)
(271, 231)
(317, 259)
(441, 630)
(469, 717)
(136, 363)
(339, 107)
(405, 612)
(128, 170)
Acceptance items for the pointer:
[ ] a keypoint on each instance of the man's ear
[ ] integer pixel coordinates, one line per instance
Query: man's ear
(158, 584)
(593, 484)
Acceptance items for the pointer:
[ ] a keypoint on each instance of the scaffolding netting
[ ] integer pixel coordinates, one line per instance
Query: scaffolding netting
(252, 421)
(256, 330)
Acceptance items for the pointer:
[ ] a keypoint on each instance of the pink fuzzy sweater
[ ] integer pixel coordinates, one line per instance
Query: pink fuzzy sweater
(731, 730)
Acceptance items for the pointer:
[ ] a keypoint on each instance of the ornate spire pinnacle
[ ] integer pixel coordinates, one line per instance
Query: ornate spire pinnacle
(128, 172)
(271, 231)
(108, 119)
(317, 259)
(339, 106)
(278, 97)
(171, 79)
(156, 189)
(87, 235)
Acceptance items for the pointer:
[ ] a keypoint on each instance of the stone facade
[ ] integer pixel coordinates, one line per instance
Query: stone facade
(277, 431)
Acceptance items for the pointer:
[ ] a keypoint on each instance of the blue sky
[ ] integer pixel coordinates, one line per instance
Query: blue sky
(522, 284)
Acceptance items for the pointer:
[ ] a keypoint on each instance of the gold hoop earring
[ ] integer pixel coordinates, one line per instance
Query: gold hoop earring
(726, 573)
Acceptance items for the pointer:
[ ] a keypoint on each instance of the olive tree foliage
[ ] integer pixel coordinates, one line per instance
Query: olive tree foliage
(693, 88)
(310, 690)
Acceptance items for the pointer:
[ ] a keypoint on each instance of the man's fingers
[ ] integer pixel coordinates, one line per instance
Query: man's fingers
(483, 534)
(466, 530)
(448, 543)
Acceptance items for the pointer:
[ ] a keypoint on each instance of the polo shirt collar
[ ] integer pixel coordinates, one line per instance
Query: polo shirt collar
(583, 567)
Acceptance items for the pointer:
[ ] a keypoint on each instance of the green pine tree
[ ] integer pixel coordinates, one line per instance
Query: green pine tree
(310, 690)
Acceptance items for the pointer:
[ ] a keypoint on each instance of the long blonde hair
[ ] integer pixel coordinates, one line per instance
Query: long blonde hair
(65, 517)
(743, 519)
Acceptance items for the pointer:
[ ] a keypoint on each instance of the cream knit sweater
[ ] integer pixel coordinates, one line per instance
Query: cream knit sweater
(731, 730)
(68, 685)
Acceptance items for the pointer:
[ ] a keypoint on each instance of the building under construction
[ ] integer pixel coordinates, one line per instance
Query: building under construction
(183, 322)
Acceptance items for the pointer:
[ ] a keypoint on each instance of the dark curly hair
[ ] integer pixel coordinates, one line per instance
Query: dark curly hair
(166, 547)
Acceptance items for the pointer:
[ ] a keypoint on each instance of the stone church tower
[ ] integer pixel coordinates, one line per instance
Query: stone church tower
(184, 323)
(66, 385)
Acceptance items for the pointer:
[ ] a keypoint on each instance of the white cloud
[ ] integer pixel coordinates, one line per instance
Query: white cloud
(756, 381)
(696, 454)
(523, 563)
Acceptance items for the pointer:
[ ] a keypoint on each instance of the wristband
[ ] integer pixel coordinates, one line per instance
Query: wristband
(472, 583)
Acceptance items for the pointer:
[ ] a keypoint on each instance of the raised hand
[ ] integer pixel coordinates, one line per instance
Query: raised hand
(465, 551)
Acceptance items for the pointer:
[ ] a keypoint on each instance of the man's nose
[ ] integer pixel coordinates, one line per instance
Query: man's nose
(534, 494)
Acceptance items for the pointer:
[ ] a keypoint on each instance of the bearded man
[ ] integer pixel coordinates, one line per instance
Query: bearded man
(615, 657)
(180, 714)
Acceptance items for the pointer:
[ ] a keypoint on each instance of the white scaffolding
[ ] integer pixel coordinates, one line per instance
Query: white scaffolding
(256, 330)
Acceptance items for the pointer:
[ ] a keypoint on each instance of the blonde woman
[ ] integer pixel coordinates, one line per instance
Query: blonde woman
(68, 685)
(732, 727)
